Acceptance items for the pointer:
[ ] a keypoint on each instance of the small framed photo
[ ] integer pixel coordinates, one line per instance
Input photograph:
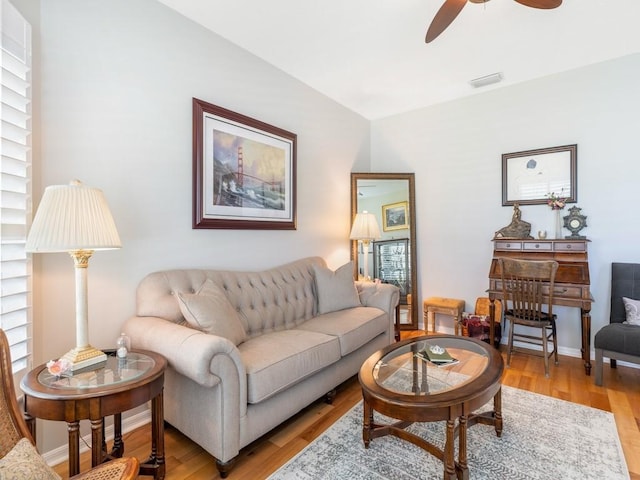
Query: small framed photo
(395, 216)
(244, 171)
(529, 177)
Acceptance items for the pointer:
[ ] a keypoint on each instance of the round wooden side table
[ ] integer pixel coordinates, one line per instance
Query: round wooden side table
(117, 386)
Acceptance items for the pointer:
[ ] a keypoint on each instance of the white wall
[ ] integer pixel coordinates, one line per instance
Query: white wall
(117, 80)
(455, 151)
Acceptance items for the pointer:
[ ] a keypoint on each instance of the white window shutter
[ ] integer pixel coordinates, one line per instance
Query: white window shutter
(15, 185)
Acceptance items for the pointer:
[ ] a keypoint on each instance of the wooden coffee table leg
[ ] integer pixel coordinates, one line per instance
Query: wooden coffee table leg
(449, 463)
(462, 447)
(497, 411)
(367, 423)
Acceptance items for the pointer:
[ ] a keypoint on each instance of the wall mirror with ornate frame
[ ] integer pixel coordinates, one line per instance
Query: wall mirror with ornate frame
(391, 257)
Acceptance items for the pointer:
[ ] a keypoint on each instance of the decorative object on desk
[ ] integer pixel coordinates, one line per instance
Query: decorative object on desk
(574, 222)
(557, 203)
(58, 367)
(123, 346)
(542, 234)
(365, 228)
(518, 228)
(76, 219)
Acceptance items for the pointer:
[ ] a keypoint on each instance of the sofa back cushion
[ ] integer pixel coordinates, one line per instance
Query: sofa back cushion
(267, 301)
(209, 310)
(336, 290)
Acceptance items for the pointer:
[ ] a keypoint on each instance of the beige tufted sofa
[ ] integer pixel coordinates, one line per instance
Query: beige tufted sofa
(224, 396)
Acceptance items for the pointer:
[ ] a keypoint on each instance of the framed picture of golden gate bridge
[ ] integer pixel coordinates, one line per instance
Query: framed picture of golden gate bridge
(244, 171)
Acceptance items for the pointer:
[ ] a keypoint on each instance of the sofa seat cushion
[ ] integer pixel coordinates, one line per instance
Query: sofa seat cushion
(354, 326)
(277, 360)
(619, 337)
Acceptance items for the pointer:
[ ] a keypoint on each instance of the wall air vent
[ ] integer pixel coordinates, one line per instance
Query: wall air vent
(486, 80)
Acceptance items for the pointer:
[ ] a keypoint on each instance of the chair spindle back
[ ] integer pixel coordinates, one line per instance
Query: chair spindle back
(528, 287)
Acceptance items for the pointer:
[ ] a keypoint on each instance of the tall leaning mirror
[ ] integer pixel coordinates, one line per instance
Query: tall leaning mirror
(390, 253)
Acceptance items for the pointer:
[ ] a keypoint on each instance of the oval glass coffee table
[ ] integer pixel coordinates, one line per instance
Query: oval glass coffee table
(401, 382)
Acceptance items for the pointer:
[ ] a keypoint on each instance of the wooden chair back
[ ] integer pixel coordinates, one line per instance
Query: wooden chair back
(527, 288)
(13, 427)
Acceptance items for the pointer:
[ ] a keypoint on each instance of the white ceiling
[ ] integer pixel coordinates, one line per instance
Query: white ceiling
(370, 55)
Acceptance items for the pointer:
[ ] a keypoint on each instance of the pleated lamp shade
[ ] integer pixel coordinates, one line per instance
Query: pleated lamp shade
(365, 227)
(72, 217)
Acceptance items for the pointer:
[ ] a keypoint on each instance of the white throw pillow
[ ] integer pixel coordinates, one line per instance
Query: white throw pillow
(24, 462)
(336, 290)
(209, 310)
(632, 308)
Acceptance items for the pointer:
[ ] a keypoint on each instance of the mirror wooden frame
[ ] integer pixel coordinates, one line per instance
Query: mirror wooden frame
(410, 177)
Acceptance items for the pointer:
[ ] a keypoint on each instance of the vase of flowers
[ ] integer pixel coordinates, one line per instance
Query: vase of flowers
(557, 203)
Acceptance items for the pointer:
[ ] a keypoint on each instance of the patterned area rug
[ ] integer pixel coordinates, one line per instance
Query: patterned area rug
(543, 439)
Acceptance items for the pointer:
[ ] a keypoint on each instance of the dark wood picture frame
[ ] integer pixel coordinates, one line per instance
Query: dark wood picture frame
(528, 177)
(244, 171)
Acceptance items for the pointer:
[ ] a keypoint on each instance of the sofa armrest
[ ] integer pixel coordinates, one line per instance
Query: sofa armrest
(204, 358)
(383, 296)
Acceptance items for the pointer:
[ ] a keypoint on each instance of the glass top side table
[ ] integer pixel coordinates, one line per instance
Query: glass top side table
(113, 388)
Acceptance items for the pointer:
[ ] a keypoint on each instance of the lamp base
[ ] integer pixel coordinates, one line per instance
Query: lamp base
(82, 357)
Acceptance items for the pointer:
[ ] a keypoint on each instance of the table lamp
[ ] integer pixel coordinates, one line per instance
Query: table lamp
(365, 228)
(76, 219)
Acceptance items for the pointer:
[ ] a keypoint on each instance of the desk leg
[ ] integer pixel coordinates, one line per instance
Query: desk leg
(586, 339)
(492, 322)
(74, 447)
(155, 463)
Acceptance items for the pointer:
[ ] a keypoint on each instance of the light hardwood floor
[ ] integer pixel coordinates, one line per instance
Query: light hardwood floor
(186, 461)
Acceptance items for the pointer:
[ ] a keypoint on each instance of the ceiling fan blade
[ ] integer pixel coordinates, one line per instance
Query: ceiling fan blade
(447, 14)
(545, 4)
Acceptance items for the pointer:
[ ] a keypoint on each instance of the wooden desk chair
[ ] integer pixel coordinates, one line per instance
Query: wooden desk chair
(13, 429)
(524, 282)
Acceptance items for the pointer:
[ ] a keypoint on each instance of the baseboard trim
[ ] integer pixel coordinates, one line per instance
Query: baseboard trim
(61, 454)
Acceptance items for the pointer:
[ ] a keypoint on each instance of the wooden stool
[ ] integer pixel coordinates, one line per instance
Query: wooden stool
(444, 306)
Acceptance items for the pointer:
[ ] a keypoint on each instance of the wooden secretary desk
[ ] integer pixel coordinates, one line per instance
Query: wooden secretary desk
(572, 283)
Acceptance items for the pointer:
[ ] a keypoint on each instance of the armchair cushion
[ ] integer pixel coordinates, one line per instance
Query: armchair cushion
(619, 337)
(24, 462)
(632, 310)
(336, 290)
(209, 310)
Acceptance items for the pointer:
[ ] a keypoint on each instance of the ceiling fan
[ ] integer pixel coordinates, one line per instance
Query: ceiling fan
(451, 8)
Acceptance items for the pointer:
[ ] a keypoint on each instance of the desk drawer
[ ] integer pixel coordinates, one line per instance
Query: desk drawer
(508, 245)
(570, 246)
(559, 290)
(564, 291)
(538, 246)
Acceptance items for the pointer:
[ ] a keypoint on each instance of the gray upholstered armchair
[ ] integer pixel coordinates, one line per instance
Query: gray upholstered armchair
(618, 340)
